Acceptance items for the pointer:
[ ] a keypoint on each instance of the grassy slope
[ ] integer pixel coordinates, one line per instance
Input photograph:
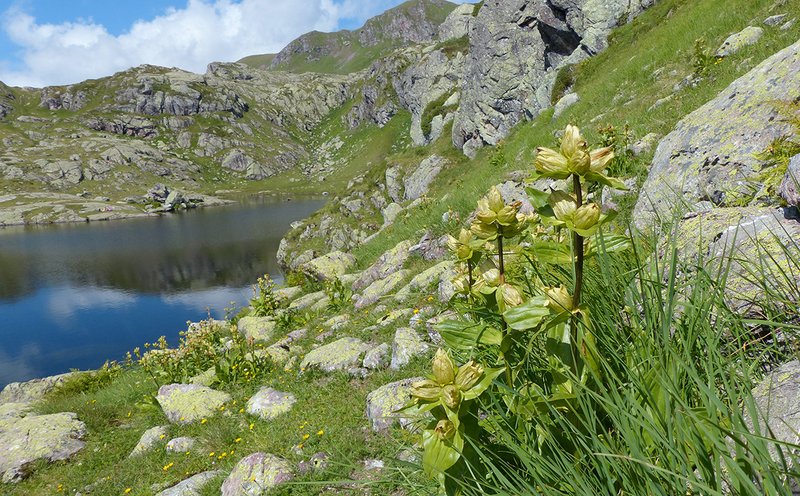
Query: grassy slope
(661, 39)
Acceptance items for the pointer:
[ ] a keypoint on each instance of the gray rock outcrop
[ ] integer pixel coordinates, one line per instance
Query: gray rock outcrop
(790, 186)
(383, 402)
(342, 354)
(191, 486)
(257, 474)
(189, 403)
(712, 154)
(269, 403)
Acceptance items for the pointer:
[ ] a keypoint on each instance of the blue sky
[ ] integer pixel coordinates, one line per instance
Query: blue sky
(50, 42)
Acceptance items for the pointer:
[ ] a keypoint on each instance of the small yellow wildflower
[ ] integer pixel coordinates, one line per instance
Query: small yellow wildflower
(251, 426)
(306, 436)
(204, 421)
(241, 410)
(162, 436)
(129, 414)
(60, 488)
(320, 432)
(128, 490)
(212, 454)
(416, 311)
(237, 440)
(300, 446)
(168, 466)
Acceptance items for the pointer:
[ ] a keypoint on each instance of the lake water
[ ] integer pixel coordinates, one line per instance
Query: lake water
(74, 296)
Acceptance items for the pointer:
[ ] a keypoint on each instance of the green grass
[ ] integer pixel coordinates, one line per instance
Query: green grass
(258, 61)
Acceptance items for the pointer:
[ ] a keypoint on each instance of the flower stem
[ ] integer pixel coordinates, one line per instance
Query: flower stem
(578, 244)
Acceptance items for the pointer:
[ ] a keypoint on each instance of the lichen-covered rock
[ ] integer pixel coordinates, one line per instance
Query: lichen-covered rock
(778, 400)
(790, 186)
(385, 401)
(180, 445)
(407, 344)
(377, 357)
(37, 437)
(191, 486)
(269, 403)
(712, 153)
(260, 329)
(457, 23)
(336, 323)
(342, 354)
(380, 288)
(330, 266)
(289, 293)
(30, 391)
(9, 410)
(388, 263)
(149, 440)
(426, 279)
(307, 301)
(188, 403)
(257, 474)
(390, 213)
(419, 181)
(735, 42)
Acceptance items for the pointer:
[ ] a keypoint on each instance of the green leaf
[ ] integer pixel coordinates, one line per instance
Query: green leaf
(466, 335)
(537, 197)
(528, 315)
(611, 182)
(550, 252)
(607, 244)
(488, 376)
(438, 455)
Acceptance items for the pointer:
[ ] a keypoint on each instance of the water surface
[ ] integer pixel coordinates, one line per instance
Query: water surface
(73, 296)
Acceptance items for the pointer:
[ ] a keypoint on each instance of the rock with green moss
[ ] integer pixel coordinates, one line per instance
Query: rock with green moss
(180, 445)
(259, 329)
(383, 403)
(329, 267)
(11, 410)
(427, 279)
(37, 437)
(407, 344)
(712, 154)
(342, 354)
(307, 301)
(30, 391)
(269, 403)
(149, 440)
(193, 486)
(380, 288)
(735, 42)
(257, 474)
(189, 403)
(777, 398)
(388, 263)
(289, 293)
(419, 182)
(790, 186)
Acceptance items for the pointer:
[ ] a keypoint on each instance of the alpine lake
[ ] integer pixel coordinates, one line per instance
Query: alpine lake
(75, 295)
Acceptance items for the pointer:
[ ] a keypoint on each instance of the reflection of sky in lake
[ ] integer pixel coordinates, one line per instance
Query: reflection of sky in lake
(73, 297)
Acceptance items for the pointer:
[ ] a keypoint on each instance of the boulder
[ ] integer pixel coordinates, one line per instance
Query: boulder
(390, 213)
(336, 323)
(14, 410)
(456, 25)
(149, 440)
(388, 263)
(377, 358)
(564, 103)
(774, 20)
(407, 344)
(260, 329)
(735, 42)
(328, 267)
(380, 288)
(256, 475)
(383, 402)
(777, 398)
(342, 354)
(269, 403)
(307, 301)
(180, 445)
(193, 486)
(31, 391)
(289, 293)
(418, 182)
(790, 186)
(188, 403)
(712, 153)
(426, 279)
(37, 437)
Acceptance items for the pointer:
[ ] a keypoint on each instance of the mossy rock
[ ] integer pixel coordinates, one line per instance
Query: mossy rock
(342, 354)
(189, 403)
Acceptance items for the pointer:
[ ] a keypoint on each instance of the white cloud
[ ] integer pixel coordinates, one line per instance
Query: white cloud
(189, 38)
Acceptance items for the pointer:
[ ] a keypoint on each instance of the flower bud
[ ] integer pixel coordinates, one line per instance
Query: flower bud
(451, 396)
(551, 163)
(560, 299)
(572, 141)
(507, 215)
(511, 295)
(445, 430)
(563, 205)
(426, 390)
(581, 162)
(600, 158)
(484, 230)
(495, 200)
(468, 375)
(444, 370)
(492, 277)
(587, 216)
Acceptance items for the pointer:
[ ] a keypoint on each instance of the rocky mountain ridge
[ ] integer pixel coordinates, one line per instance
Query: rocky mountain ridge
(118, 136)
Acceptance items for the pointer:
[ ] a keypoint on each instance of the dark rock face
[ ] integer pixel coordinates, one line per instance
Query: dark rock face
(6, 100)
(516, 47)
(55, 98)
